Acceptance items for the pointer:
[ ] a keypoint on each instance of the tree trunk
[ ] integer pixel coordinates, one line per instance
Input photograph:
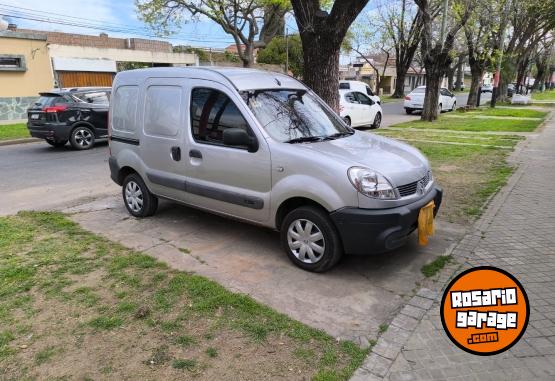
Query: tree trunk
(400, 84)
(323, 75)
(474, 86)
(450, 74)
(434, 76)
(460, 73)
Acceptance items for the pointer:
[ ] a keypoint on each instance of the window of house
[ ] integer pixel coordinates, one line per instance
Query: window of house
(9, 62)
(212, 112)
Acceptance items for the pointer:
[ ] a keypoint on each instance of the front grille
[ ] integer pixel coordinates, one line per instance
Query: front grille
(410, 189)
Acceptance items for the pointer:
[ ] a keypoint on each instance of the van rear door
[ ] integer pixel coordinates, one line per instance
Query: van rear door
(162, 144)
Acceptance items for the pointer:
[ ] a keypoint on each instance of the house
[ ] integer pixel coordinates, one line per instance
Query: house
(362, 70)
(25, 70)
(73, 60)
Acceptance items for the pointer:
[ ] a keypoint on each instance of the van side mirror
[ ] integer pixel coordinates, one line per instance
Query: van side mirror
(240, 137)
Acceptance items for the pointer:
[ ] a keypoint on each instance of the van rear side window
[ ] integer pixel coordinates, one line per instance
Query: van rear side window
(163, 107)
(125, 108)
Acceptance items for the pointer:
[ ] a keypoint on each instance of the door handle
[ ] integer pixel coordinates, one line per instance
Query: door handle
(195, 153)
(176, 153)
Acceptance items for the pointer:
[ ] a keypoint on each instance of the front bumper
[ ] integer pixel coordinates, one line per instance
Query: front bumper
(373, 231)
(50, 130)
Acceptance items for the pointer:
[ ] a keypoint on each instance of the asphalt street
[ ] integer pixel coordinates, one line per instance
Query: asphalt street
(38, 176)
(393, 112)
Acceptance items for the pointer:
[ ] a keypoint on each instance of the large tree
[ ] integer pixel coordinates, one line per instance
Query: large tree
(436, 52)
(251, 23)
(529, 21)
(402, 25)
(480, 34)
(322, 33)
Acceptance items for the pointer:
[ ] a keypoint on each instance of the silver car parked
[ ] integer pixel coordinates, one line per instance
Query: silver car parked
(263, 148)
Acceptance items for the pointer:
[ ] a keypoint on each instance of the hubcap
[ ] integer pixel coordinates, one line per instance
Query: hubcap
(83, 138)
(134, 196)
(306, 241)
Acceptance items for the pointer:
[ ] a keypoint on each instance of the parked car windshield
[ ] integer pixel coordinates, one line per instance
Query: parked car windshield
(294, 116)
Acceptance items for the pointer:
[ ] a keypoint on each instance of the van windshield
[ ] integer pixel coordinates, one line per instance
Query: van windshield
(294, 116)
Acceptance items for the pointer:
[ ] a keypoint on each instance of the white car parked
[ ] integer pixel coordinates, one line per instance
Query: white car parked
(359, 86)
(414, 101)
(357, 109)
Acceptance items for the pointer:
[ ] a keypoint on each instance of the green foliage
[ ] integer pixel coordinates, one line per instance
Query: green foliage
(276, 52)
(435, 266)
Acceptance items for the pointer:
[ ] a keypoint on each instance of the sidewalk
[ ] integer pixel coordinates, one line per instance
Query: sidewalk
(517, 233)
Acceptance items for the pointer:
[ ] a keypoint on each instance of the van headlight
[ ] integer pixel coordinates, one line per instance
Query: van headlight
(371, 183)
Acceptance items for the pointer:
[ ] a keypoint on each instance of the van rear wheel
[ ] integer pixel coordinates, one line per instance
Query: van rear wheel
(310, 239)
(137, 198)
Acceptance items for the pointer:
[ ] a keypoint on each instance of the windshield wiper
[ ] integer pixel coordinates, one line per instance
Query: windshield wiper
(340, 134)
(304, 139)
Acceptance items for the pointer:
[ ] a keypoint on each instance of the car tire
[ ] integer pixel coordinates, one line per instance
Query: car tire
(439, 109)
(347, 121)
(82, 138)
(454, 106)
(377, 120)
(317, 249)
(138, 200)
(408, 111)
(57, 143)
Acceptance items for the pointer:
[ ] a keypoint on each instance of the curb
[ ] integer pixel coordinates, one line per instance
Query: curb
(18, 141)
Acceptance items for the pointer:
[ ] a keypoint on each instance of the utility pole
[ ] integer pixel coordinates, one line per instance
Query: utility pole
(497, 75)
(286, 50)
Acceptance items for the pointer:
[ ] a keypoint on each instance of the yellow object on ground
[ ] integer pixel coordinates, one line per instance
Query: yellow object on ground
(426, 223)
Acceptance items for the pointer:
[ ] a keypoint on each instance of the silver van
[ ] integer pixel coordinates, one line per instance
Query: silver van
(261, 147)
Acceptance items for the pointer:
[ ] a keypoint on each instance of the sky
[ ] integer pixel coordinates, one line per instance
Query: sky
(117, 15)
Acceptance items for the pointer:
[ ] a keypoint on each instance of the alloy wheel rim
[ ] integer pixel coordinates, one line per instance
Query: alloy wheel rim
(134, 196)
(378, 120)
(306, 241)
(83, 137)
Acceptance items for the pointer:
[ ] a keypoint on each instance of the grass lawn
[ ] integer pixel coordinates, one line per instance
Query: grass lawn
(75, 305)
(469, 167)
(547, 95)
(445, 122)
(14, 131)
(514, 112)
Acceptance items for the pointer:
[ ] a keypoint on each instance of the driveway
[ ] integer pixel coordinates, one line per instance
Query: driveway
(350, 301)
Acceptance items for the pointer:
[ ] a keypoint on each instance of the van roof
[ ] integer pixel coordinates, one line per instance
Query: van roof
(240, 78)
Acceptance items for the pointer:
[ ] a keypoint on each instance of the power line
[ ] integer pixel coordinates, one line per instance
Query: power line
(31, 15)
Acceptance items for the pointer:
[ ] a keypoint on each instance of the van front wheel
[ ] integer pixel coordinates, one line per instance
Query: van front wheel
(310, 239)
(137, 198)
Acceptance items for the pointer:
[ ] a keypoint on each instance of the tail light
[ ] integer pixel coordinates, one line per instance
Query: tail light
(55, 108)
(407, 98)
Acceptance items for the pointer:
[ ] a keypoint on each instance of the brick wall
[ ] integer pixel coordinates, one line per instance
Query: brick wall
(103, 41)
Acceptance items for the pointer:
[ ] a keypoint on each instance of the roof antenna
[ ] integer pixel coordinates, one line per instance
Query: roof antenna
(277, 81)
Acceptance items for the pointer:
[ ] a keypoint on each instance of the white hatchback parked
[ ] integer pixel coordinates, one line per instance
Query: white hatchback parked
(357, 109)
(414, 101)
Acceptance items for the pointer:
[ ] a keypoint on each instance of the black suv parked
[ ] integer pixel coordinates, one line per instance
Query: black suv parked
(79, 115)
